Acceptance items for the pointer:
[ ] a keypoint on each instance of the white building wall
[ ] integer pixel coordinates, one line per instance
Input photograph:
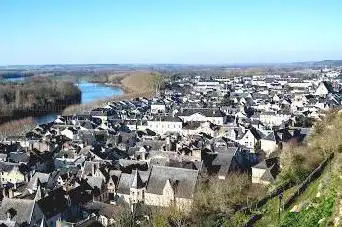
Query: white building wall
(256, 175)
(268, 146)
(165, 126)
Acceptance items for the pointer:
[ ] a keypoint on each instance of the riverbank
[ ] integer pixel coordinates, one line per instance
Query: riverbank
(133, 85)
(36, 98)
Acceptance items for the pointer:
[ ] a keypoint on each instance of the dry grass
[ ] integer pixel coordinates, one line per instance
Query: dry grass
(140, 82)
(298, 161)
(17, 127)
(221, 198)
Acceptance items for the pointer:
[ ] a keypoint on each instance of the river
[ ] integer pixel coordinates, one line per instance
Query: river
(90, 92)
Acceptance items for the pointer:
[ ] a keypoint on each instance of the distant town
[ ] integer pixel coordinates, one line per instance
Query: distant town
(125, 158)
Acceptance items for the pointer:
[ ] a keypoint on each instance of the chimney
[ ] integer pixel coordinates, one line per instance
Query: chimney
(10, 193)
(4, 193)
(10, 214)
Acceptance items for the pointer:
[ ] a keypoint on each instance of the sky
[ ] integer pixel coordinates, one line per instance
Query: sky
(169, 31)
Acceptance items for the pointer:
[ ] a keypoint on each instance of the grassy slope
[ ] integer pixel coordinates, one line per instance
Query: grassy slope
(324, 207)
(270, 209)
(326, 139)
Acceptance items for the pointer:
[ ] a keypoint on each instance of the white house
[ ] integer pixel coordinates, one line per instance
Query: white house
(158, 108)
(269, 143)
(213, 115)
(324, 88)
(265, 172)
(273, 119)
(250, 138)
(207, 85)
(163, 124)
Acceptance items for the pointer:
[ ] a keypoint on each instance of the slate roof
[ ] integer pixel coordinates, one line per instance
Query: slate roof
(124, 184)
(89, 167)
(95, 182)
(8, 166)
(104, 209)
(23, 209)
(223, 159)
(166, 118)
(186, 179)
(88, 125)
(329, 86)
(153, 145)
(43, 178)
(192, 125)
(271, 167)
(272, 137)
(137, 182)
(53, 203)
(127, 181)
(208, 112)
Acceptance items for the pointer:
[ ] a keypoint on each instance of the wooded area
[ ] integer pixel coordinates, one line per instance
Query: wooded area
(35, 97)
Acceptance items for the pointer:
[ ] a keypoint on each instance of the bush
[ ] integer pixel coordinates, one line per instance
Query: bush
(216, 200)
(297, 162)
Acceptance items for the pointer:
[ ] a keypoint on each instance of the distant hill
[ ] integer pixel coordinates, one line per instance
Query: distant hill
(328, 63)
(96, 68)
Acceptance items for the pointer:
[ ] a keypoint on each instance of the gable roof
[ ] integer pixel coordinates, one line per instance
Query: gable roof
(137, 182)
(23, 209)
(328, 86)
(186, 180)
(54, 203)
(208, 112)
(272, 137)
(271, 167)
(127, 181)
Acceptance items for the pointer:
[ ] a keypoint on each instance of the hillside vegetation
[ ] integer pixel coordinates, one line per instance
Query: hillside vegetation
(320, 203)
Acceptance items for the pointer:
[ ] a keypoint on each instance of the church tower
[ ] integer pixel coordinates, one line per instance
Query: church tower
(137, 190)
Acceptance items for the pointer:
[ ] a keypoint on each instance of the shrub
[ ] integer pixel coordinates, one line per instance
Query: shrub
(216, 200)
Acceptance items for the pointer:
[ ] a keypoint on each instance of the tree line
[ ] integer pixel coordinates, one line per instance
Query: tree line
(36, 97)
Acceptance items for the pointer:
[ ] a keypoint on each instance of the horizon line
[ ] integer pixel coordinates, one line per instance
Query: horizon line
(171, 64)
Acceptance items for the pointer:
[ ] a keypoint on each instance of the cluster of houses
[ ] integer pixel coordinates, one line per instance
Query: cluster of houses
(152, 152)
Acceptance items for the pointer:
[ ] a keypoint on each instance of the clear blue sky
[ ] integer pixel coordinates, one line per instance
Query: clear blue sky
(169, 31)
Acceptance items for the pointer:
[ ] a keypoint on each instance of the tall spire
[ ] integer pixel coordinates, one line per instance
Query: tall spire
(137, 182)
(36, 183)
(38, 195)
(42, 223)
